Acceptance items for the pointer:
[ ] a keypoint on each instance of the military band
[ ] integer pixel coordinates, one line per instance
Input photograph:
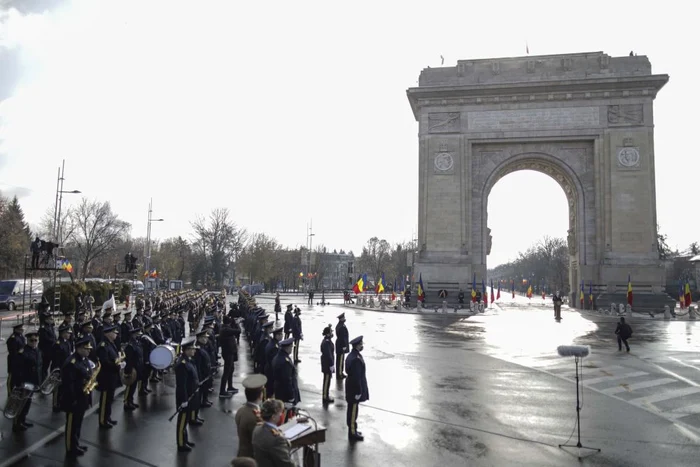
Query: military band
(76, 377)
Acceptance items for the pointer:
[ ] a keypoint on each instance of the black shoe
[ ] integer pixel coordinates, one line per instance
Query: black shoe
(328, 400)
(135, 405)
(355, 437)
(19, 428)
(206, 404)
(197, 423)
(210, 389)
(358, 433)
(143, 393)
(29, 425)
(184, 448)
(628, 350)
(342, 376)
(129, 407)
(74, 454)
(190, 444)
(82, 448)
(225, 395)
(112, 422)
(107, 426)
(200, 419)
(232, 390)
(297, 361)
(56, 409)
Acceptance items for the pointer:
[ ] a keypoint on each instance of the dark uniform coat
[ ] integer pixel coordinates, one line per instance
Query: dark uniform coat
(356, 383)
(285, 374)
(327, 355)
(108, 378)
(342, 337)
(186, 379)
(75, 374)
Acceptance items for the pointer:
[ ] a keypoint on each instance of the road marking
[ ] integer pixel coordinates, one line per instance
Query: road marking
(685, 364)
(664, 396)
(633, 387)
(684, 411)
(604, 379)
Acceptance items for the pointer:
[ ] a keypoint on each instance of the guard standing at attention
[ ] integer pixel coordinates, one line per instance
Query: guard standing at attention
(342, 346)
(134, 363)
(15, 343)
(108, 379)
(259, 354)
(270, 352)
(186, 386)
(288, 320)
(327, 362)
(285, 373)
(356, 389)
(297, 334)
(76, 397)
(62, 349)
(248, 416)
(27, 369)
(47, 339)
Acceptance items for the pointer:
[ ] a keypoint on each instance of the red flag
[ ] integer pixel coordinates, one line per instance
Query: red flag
(688, 297)
(512, 287)
(498, 295)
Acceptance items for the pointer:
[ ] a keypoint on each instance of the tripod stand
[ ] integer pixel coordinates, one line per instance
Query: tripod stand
(578, 417)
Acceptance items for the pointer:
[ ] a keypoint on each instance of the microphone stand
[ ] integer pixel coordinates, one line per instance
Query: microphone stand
(578, 418)
(196, 392)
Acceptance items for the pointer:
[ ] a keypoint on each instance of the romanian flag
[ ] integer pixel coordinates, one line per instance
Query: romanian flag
(580, 295)
(154, 273)
(512, 287)
(393, 292)
(681, 297)
(145, 274)
(474, 288)
(629, 290)
(498, 295)
(421, 291)
(357, 288)
(69, 268)
(529, 291)
(484, 297)
(688, 296)
(590, 293)
(365, 282)
(493, 299)
(380, 285)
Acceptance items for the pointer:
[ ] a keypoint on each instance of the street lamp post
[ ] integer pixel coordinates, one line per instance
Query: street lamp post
(148, 235)
(57, 227)
(309, 240)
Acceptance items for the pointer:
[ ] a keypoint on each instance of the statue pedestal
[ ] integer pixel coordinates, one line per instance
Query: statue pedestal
(667, 312)
(691, 314)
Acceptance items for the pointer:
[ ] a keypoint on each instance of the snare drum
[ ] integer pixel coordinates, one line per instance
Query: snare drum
(162, 357)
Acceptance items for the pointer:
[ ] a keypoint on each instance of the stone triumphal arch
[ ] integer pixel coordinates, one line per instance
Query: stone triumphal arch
(584, 119)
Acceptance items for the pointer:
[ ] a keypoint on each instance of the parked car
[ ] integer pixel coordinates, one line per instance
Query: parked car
(14, 292)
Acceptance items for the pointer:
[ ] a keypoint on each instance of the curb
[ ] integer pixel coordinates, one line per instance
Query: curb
(413, 311)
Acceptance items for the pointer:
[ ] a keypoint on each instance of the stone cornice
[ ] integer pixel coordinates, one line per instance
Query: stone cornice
(538, 91)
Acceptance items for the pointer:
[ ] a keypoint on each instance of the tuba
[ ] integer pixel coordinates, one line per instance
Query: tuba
(17, 400)
(91, 384)
(50, 382)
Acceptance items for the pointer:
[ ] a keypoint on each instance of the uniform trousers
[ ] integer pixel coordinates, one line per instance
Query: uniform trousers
(74, 424)
(296, 349)
(227, 376)
(106, 399)
(339, 364)
(129, 393)
(353, 408)
(327, 385)
(181, 429)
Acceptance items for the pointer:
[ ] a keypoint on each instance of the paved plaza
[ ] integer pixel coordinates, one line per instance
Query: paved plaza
(445, 390)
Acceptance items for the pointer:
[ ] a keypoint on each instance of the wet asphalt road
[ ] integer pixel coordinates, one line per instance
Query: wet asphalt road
(445, 390)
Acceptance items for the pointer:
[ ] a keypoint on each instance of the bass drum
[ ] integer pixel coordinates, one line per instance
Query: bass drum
(162, 357)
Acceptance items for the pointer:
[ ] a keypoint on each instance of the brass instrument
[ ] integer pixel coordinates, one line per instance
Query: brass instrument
(127, 379)
(17, 400)
(50, 383)
(92, 382)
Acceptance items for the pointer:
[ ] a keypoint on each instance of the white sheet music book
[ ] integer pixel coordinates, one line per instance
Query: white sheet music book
(296, 430)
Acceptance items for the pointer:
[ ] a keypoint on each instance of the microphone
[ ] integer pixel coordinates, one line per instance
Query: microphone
(573, 350)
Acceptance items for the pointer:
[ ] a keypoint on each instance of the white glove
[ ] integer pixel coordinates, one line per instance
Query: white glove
(122, 365)
(357, 397)
(183, 405)
(332, 369)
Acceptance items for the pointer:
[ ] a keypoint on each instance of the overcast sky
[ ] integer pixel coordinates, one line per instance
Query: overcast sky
(290, 111)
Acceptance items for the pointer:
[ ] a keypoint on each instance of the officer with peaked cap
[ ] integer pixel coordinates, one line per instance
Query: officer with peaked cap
(203, 362)
(186, 387)
(342, 346)
(27, 369)
(286, 387)
(259, 354)
(248, 416)
(327, 362)
(86, 331)
(47, 339)
(356, 389)
(15, 343)
(134, 363)
(270, 352)
(62, 349)
(108, 379)
(126, 326)
(297, 334)
(75, 374)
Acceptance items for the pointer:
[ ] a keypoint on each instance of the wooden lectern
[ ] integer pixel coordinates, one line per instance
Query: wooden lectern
(308, 441)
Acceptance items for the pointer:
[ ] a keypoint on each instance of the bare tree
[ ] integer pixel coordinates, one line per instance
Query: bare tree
(218, 241)
(376, 256)
(94, 230)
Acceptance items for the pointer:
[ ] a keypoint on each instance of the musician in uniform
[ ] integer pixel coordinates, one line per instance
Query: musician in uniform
(248, 416)
(286, 386)
(147, 344)
(259, 354)
(342, 346)
(229, 352)
(134, 363)
(27, 368)
(297, 333)
(288, 319)
(47, 339)
(15, 343)
(78, 325)
(186, 386)
(327, 362)
(86, 331)
(270, 353)
(356, 389)
(126, 326)
(67, 320)
(62, 349)
(108, 380)
(97, 325)
(76, 373)
(113, 319)
(202, 360)
(271, 447)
